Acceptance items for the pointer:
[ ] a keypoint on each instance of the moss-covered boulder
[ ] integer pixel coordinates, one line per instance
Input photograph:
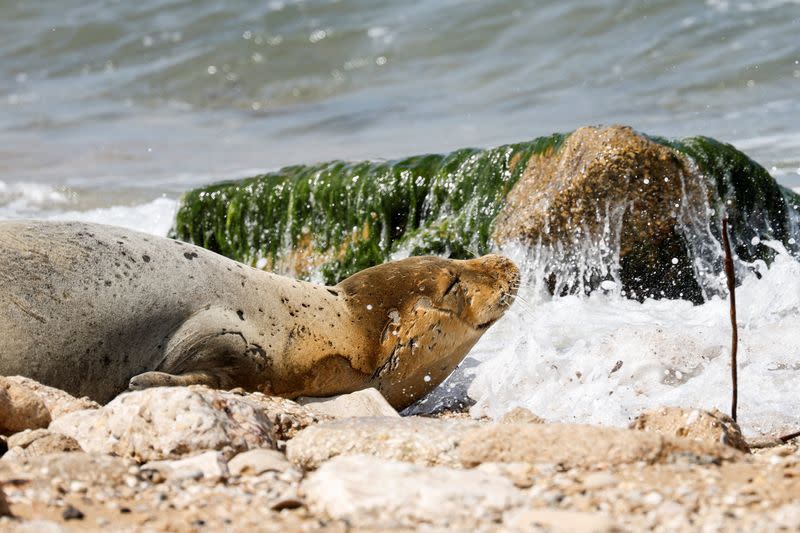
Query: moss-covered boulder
(595, 205)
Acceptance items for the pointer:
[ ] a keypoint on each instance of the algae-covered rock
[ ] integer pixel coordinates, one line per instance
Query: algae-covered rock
(343, 217)
(600, 204)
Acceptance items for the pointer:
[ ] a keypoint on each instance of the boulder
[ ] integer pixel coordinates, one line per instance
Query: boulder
(614, 197)
(69, 468)
(697, 424)
(574, 445)
(33, 443)
(596, 205)
(558, 521)
(5, 510)
(169, 423)
(57, 401)
(520, 415)
(368, 492)
(256, 462)
(20, 408)
(367, 402)
(423, 441)
(208, 465)
(286, 416)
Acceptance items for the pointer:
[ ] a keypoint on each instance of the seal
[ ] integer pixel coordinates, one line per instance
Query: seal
(95, 310)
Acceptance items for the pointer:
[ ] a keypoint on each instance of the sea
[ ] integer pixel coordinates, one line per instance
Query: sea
(110, 109)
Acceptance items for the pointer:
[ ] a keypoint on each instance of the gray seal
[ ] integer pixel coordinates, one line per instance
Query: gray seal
(95, 310)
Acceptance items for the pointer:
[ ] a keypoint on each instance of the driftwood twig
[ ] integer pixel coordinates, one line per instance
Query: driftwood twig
(729, 273)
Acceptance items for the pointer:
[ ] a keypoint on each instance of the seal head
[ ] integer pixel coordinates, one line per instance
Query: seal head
(427, 312)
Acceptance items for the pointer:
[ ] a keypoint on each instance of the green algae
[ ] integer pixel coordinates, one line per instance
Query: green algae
(336, 218)
(753, 201)
(351, 216)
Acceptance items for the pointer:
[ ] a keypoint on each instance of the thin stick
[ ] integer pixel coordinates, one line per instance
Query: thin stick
(732, 298)
(790, 436)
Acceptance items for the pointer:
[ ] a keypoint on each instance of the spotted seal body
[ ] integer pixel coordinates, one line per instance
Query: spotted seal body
(95, 310)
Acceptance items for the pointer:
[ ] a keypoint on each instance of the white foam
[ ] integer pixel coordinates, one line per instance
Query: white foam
(25, 199)
(154, 217)
(603, 358)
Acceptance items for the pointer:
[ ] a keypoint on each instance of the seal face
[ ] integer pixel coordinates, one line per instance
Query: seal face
(95, 310)
(430, 311)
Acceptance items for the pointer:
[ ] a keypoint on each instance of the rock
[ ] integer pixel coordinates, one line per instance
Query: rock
(520, 415)
(71, 512)
(169, 423)
(35, 526)
(599, 480)
(287, 417)
(57, 401)
(5, 510)
(20, 408)
(209, 465)
(256, 462)
(32, 443)
(367, 402)
(612, 188)
(609, 199)
(706, 426)
(554, 520)
(367, 492)
(423, 441)
(581, 446)
(68, 468)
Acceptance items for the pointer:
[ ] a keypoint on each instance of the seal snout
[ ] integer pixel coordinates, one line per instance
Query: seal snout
(495, 281)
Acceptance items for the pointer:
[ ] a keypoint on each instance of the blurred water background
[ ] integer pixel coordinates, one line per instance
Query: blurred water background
(110, 109)
(108, 102)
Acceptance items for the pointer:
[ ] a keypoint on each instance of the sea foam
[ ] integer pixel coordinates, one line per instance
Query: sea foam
(604, 358)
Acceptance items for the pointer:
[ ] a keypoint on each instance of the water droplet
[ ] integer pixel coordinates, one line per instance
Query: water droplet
(646, 181)
(427, 378)
(755, 240)
(369, 307)
(212, 69)
(674, 260)
(608, 285)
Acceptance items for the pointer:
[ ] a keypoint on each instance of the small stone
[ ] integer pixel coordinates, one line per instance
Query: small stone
(168, 423)
(696, 424)
(599, 480)
(210, 465)
(256, 462)
(33, 443)
(558, 521)
(367, 402)
(4, 509)
(287, 417)
(20, 408)
(576, 445)
(72, 513)
(521, 415)
(57, 401)
(418, 440)
(367, 492)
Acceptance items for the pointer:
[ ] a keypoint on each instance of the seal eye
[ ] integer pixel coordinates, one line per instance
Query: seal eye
(453, 283)
(453, 299)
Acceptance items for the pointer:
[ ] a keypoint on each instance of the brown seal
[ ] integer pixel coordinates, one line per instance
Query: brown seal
(95, 310)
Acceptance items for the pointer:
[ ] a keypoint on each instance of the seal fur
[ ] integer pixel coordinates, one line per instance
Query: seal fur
(95, 310)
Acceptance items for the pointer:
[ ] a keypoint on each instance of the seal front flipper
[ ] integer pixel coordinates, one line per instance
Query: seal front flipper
(214, 347)
(162, 379)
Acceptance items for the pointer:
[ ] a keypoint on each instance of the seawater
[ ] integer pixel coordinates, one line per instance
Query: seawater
(604, 358)
(109, 110)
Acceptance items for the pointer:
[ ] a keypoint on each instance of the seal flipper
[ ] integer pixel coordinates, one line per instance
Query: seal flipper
(162, 379)
(213, 348)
